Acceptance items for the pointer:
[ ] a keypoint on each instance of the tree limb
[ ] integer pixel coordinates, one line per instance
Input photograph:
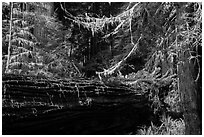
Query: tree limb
(117, 66)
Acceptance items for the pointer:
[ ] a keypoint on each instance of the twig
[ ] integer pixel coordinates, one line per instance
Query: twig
(150, 81)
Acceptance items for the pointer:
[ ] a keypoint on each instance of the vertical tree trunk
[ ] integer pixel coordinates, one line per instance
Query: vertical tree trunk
(89, 48)
(9, 46)
(187, 85)
(189, 95)
(70, 53)
(111, 36)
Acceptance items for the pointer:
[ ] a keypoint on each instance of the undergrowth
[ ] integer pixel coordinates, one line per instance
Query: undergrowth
(171, 119)
(169, 126)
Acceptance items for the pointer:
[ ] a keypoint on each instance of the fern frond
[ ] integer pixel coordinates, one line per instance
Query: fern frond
(26, 14)
(24, 33)
(15, 65)
(22, 41)
(22, 49)
(31, 64)
(20, 55)
(18, 21)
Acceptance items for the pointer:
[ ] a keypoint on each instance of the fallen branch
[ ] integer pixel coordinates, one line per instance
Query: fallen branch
(40, 106)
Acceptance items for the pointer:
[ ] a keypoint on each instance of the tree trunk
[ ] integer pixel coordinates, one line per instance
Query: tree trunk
(189, 94)
(10, 37)
(33, 106)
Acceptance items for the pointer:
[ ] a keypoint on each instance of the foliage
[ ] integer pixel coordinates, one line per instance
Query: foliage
(129, 35)
(169, 126)
(128, 27)
(34, 54)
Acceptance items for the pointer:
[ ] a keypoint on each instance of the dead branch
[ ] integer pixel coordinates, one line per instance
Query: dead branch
(118, 65)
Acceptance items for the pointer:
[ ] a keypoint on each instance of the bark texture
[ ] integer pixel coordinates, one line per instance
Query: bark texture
(189, 95)
(40, 106)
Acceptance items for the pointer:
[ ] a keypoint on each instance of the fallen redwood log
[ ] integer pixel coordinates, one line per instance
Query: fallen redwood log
(40, 106)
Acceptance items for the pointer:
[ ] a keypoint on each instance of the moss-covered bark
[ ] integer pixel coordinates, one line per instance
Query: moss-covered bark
(189, 95)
